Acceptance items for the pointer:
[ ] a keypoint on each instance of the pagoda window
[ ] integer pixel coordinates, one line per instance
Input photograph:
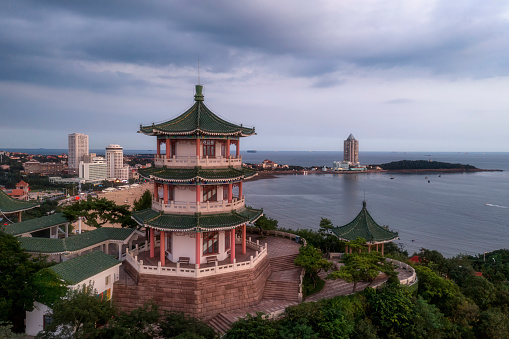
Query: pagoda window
(223, 149)
(210, 243)
(227, 241)
(225, 192)
(209, 193)
(171, 193)
(209, 148)
(173, 148)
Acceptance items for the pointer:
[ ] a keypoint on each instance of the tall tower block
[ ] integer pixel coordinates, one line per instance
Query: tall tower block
(351, 150)
(78, 147)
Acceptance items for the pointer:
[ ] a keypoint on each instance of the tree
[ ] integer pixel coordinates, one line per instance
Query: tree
(78, 315)
(267, 224)
(144, 202)
(140, 323)
(23, 281)
(177, 324)
(311, 259)
(99, 211)
(362, 266)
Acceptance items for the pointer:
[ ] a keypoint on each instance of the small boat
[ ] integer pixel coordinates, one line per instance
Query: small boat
(392, 177)
(251, 151)
(429, 181)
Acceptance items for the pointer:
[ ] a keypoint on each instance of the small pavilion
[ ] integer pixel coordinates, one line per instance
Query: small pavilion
(364, 226)
(9, 205)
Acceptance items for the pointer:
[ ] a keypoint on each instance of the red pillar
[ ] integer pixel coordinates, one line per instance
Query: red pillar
(382, 248)
(230, 192)
(244, 239)
(238, 148)
(168, 149)
(198, 248)
(152, 241)
(158, 148)
(228, 148)
(156, 191)
(198, 144)
(162, 248)
(198, 194)
(240, 189)
(19, 216)
(232, 252)
(165, 193)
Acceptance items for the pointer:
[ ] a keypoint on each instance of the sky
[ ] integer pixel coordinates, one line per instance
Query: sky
(399, 75)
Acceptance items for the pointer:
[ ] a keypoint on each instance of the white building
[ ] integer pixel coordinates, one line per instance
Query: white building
(95, 171)
(123, 172)
(95, 268)
(78, 147)
(114, 159)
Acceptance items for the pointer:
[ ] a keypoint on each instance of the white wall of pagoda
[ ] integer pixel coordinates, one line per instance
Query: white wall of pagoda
(184, 245)
(185, 194)
(186, 148)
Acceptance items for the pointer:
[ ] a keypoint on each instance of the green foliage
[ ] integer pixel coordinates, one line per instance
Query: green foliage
(364, 266)
(7, 333)
(177, 324)
(266, 224)
(144, 202)
(423, 164)
(311, 259)
(98, 211)
(78, 315)
(24, 281)
(140, 323)
(255, 327)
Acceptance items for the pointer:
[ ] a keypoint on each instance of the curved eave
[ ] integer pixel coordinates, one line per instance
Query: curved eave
(156, 132)
(198, 178)
(371, 242)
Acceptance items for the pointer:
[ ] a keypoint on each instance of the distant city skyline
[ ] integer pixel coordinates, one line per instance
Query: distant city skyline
(400, 76)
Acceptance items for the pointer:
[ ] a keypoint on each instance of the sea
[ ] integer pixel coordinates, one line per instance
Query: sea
(454, 213)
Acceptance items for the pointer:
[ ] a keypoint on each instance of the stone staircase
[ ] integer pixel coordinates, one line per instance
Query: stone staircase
(281, 290)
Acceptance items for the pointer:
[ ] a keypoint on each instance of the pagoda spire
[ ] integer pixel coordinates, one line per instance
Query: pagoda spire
(198, 96)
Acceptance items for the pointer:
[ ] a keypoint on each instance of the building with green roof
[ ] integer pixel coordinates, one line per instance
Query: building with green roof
(198, 201)
(9, 205)
(364, 226)
(37, 227)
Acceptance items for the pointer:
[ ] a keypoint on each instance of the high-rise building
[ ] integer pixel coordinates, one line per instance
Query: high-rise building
(78, 147)
(114, 159)
(94, 170)
(351, 150)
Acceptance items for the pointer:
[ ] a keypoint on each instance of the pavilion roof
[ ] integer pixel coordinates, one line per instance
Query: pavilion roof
(197, 120)
(84, 267)
(364, 226)
(11, 205)
(35, 224)
(196, 222)
(75, 243)
(197, 174)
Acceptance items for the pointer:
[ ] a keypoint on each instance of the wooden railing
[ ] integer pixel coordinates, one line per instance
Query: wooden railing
(193, 161)
(132, 258)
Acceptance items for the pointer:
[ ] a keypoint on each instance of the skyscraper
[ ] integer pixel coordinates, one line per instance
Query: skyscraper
(114, 160)
(78, 147)
(351, 150)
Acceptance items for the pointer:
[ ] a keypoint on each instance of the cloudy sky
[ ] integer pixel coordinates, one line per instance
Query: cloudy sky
(398, 75)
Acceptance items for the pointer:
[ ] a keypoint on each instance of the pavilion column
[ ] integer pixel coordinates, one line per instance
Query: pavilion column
(232, 241)
(369, 248)
(106, 247)
(230, 192)
(382, 248)
(198, 249)
(162, 248)
(240, 190)
(158, 148)
(156, 191)
(165, 193)
(377, 247)
(168, 148)
(238, 149)
(152, 241)
(120, 251)
(66, 230)
(346, 249)
(198, 144)
(198, 194)
(19, 216)
(244, 239)
(228, 148)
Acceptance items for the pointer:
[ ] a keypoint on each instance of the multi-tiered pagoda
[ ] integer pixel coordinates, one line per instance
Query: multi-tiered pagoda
(198, 203)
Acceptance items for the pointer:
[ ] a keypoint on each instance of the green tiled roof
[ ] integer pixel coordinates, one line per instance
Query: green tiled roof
(76, 242)
(10, 205)
(83, 267)
(196, 222)
(35, 224)
(197, 174)
(197, 120)
(364, 226)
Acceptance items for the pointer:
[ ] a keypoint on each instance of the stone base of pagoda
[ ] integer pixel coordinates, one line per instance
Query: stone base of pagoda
(201, 297)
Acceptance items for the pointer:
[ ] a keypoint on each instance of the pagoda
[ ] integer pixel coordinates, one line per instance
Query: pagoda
(198, 203)
(9, 205)
(364, 226)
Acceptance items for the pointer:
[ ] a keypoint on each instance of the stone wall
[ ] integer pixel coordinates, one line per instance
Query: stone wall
(199, 297)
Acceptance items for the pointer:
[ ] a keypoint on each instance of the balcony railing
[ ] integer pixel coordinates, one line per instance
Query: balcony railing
(193, 161)
(203, 207)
